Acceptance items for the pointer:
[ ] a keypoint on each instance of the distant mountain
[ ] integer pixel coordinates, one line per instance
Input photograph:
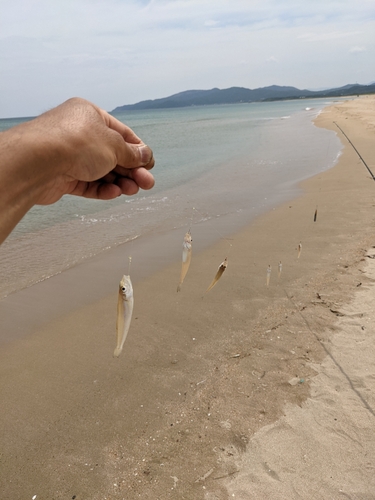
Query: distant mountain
(235, 95)
(346, 90)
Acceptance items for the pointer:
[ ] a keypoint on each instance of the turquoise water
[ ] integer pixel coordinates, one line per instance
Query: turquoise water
(237, 160)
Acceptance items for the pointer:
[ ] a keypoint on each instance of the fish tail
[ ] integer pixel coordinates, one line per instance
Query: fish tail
(211, 286)
(117, 352)
(179, 287)
(216, 279)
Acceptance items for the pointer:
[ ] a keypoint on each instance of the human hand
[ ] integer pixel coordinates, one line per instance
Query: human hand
(87, 152)
(75, 148)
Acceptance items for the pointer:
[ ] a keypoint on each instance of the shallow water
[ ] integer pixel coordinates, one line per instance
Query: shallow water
(229, 163)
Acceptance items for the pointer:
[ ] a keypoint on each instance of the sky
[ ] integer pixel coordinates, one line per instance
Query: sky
(116, 52)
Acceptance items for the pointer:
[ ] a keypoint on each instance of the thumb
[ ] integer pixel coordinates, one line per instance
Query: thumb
(145, 154)
(133, 155)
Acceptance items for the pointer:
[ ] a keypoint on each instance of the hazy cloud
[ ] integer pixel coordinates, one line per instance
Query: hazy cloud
(333, 35)
(211, 23)
(357, 49)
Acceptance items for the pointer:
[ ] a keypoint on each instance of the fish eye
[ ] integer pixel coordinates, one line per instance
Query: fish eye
(123, 289)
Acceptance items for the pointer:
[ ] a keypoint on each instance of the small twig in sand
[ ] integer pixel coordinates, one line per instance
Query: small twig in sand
(205, 476)
(201, 382)
(227, 475)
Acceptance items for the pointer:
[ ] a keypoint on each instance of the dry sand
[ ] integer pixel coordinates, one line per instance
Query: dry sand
(248, 392)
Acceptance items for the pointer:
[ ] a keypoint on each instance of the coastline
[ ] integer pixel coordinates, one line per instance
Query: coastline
(200, 374)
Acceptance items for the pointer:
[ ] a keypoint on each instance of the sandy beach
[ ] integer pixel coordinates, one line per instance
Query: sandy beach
(248, 392)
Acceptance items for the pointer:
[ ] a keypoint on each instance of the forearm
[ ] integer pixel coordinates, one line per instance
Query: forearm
(24, 171)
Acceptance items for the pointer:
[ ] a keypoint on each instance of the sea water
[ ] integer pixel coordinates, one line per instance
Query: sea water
(231, 162)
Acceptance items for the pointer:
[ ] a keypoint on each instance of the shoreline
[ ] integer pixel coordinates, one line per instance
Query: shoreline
(244, 186)
(93, 278)
(200, 374)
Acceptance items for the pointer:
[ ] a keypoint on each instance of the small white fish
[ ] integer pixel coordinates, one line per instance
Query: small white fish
(299, 250)
(186, 257)
(268, 275)
(280, 269)
(125, 305)
(219, 273)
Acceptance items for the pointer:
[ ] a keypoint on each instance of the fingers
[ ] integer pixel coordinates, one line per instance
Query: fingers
(131, 155)
(103, 190)
(111, 186)
(140, 176)
(126, 132)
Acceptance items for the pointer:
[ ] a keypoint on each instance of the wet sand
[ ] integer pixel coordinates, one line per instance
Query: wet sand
(245, 392)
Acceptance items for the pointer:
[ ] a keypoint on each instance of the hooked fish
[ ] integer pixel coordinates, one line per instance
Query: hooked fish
(268, 274)
(299, 250)
(219, 273)
(279, 270)
(124, 312)
(186, 257)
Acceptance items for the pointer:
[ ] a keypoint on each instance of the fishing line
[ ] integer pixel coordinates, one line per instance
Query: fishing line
(315, 217)
(224, 264)
(299, 246)
(187, 251)
(130, 255)
(335, 361)
(356, 150)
